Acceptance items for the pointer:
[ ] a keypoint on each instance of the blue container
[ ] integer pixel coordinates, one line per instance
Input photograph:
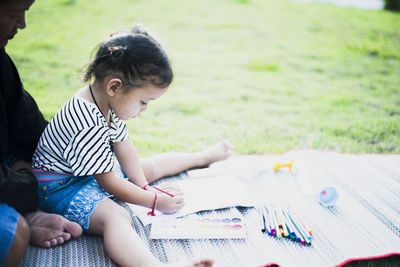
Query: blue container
(328, 196)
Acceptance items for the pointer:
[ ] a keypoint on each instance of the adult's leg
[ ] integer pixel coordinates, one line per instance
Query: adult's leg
(48, 230)
(172, 163)
(14, 236)
(122, 242)
(19, 243)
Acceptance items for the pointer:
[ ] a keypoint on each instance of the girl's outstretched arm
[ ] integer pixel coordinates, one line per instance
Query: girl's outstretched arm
(129, 160)
(128, 192)
(124, 190)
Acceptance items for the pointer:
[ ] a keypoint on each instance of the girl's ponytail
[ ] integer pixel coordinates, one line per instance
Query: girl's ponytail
(134, 56)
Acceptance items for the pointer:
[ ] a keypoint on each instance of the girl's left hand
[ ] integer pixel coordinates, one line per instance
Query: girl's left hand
(173, 189)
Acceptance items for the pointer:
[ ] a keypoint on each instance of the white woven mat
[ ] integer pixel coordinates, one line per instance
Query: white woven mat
(364, 223)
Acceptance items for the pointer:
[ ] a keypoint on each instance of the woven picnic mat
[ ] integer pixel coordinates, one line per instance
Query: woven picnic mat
(365, 222)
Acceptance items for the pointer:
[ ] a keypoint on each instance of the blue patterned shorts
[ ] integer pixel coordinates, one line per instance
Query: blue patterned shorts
(73, 197)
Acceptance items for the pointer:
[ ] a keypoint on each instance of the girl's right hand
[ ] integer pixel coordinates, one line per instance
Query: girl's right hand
(167, 204)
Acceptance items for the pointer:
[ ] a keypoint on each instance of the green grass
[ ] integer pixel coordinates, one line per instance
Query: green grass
(267, 75)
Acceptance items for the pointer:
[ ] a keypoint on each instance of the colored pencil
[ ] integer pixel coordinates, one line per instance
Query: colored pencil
(299, 237)
(307, 235)
(263, 226)
(276, 223)
(290, 226)
(304, 225)
(282, 221)
(303, 236)
(268, 221)
(273, 230)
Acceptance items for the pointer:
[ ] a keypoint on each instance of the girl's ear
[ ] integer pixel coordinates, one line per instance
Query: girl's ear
(113, 86)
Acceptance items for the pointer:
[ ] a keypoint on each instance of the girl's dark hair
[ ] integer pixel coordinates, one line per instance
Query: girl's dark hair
(135, 57)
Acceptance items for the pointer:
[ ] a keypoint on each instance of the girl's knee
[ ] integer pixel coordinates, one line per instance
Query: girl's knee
(106, 213)
(122, 213)
(150, 169)
(119, 216)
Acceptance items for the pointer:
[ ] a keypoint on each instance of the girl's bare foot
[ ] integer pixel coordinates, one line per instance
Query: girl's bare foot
(220, 151)
(201, 263)
(49, 230)
(193, 263)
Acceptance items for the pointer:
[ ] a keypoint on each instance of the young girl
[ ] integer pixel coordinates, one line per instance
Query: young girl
(74, 162)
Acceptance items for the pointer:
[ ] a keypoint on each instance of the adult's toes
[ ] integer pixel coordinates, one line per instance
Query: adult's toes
(66, 236)
(53, 242)
(60, 240)
(73, 228)
(45, 244)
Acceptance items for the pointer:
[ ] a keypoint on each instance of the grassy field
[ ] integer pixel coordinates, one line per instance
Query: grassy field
(267, 75)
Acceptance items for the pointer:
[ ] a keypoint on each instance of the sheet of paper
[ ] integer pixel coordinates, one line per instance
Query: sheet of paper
(205, 194)
(243, 166)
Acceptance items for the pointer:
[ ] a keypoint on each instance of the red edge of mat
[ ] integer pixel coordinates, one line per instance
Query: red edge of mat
(347, 261)
(368, 258)
(315, 149)
(270, 264)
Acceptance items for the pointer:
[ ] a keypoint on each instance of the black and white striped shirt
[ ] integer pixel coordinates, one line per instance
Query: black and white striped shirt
(78, 140)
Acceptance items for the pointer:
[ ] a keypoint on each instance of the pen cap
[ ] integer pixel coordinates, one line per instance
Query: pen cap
(328, 196)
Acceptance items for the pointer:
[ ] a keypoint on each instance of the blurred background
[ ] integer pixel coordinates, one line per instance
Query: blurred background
(268, 75)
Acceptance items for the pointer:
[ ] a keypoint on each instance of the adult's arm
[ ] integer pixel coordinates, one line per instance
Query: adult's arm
(18, 189)
(21, 124)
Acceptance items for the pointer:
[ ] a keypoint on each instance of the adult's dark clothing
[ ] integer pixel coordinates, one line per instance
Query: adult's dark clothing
(21, 125)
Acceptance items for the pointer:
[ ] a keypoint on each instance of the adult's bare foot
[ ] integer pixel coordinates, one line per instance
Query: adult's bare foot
(49, 230)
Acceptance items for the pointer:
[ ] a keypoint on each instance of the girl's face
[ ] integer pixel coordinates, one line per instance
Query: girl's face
(128, 103)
